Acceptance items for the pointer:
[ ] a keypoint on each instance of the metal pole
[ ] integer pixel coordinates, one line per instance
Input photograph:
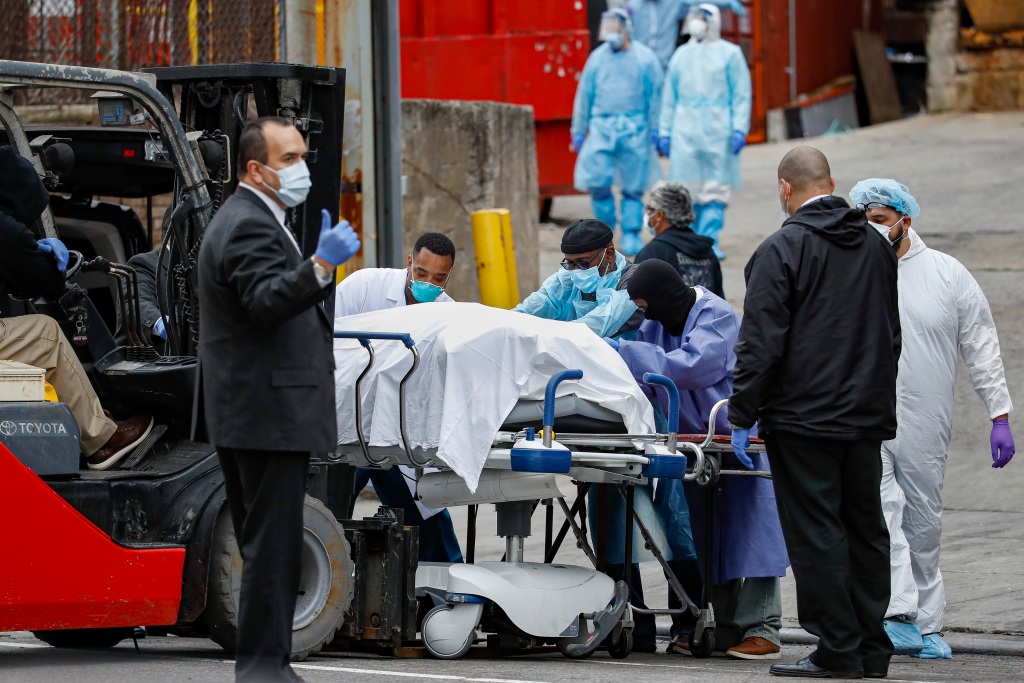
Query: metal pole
(387, 124)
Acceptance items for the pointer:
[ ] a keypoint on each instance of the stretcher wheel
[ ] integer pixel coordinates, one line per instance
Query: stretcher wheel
(448, 631)
(705, 646)
(712, 470)
(622, 646)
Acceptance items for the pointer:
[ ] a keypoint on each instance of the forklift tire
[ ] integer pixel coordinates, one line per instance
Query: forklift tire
(85, 638)
(325, 586)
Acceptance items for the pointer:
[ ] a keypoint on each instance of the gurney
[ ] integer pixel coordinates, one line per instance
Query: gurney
(578, 609)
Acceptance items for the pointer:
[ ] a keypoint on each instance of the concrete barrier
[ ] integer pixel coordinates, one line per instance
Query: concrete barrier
(460, 157)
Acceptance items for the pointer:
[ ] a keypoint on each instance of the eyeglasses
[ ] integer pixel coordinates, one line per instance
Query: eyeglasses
(873, 205)
(580, 265)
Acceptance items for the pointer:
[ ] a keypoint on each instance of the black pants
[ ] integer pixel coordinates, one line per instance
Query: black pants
(831, 512)
(265, 491)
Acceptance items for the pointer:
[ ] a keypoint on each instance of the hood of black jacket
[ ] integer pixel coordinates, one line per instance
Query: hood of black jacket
(833, 219)
(22, 194)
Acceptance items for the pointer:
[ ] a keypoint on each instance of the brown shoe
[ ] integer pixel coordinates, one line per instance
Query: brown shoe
(680, 645)
(754, 648)
(128, 435)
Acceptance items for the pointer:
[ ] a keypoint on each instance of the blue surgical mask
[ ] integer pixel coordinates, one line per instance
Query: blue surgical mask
(424, 292)
(615, 40)
(587, 280)
(295, 183)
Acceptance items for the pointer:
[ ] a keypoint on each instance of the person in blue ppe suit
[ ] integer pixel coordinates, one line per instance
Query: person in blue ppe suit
(689, 337)
(614, 114)
(705, 118)
(422, 281)
(656, 22)
(590, 288)
(944, 315)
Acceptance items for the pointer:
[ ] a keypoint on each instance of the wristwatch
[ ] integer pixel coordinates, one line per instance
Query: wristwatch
(320, 272)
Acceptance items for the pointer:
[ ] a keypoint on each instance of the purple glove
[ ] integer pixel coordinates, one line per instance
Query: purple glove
(664, 145)
(1002, 443)
(577, 142)
(737, 141)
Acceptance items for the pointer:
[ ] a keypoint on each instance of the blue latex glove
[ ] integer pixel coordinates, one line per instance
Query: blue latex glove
(736, 7)
(740, 442)
(160, 328)
(52, 245)
(737, 141)
(664, 145)
(1001, 441)
(577, 142)
(337, 244)
(612, 343)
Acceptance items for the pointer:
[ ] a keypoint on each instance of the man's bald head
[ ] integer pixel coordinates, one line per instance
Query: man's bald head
(806, 169)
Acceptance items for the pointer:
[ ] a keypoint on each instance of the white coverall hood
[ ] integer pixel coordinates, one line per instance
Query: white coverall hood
(713, 17)
(944, 314)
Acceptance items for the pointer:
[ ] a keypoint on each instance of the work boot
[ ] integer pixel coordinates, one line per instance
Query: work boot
(934, 648)
(905, 637)
(754, 648)
(128, 435)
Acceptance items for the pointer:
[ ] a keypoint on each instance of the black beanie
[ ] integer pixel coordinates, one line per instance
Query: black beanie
(586, 235)
(22, 194)
(668, 299)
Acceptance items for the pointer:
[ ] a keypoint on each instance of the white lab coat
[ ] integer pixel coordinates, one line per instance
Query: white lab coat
(372, 289)
(943, 313)
(377, 289)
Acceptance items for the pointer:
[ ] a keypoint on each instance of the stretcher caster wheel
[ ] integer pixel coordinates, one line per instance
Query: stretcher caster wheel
(448, 630)
(705, 646)
(620, 647)
(708, 479)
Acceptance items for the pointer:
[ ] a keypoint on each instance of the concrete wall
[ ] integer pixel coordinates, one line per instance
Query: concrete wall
(460, 157)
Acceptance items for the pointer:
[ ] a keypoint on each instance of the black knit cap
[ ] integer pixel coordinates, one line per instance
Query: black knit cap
(586, 235)
(668, 298)
(22, 194)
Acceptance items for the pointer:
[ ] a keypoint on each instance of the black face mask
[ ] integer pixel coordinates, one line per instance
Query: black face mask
(669, 300)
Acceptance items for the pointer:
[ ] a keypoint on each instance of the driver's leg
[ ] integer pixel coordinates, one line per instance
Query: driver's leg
(37, 340)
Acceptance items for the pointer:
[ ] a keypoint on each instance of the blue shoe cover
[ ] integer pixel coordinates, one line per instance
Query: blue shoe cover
(631, 243)
(719, 254)
(934, 648)
(906, 638)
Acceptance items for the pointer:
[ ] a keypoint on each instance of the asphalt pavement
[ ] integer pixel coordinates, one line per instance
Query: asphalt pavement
(966, 173)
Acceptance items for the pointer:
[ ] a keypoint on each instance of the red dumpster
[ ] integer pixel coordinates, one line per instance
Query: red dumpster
(529, 53)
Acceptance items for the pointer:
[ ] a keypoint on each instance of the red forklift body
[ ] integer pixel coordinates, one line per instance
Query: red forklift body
(62, 572)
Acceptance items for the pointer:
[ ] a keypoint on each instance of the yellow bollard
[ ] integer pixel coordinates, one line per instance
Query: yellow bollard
(510, 257)
(493, 258)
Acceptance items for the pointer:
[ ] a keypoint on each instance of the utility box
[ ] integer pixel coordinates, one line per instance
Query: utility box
(20, 382)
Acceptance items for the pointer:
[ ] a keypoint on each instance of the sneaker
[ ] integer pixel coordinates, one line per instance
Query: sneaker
(906, 637)
(680, 645)
(754, 648)
(934, 648)
(129, 433)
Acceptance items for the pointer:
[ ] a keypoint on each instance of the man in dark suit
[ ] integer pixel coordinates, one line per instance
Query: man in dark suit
(154, 324)
(267, 371)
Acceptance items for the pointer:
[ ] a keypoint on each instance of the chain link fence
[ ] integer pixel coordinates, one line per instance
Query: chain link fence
(131, 34)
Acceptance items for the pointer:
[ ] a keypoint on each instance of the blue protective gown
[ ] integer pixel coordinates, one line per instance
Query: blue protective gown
(662, 34)
(706, 97)
(748, 537)
(559, 299)
(616, 106)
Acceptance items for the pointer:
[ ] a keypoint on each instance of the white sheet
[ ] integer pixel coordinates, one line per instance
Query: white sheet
(476, 362)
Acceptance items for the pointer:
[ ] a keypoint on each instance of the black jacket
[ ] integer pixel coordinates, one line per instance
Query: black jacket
(820, 339)
(266, 344)
(145, 265)
(690, 254)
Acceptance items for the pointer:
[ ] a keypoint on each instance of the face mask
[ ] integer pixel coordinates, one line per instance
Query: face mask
(884, 231)
(647, 223)
(615, 40)
(782, 208)
(697, 28)
(587, 280)
(424, 292)
(295, 183)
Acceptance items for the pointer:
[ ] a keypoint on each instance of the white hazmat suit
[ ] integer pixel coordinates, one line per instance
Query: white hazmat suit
(943, 313)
